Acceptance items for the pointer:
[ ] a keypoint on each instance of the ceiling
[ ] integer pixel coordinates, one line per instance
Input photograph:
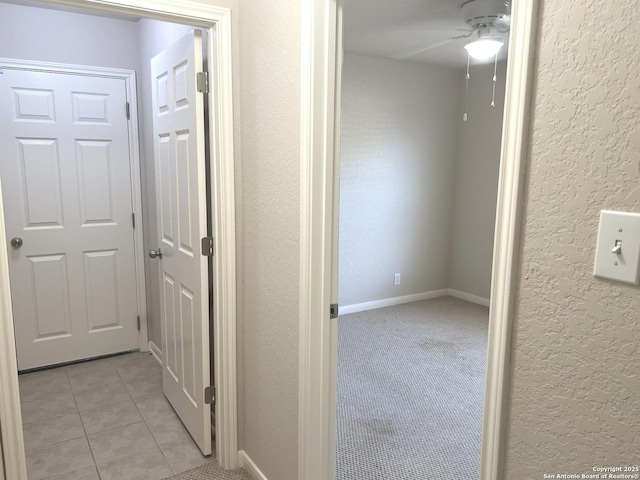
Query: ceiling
(412, 30)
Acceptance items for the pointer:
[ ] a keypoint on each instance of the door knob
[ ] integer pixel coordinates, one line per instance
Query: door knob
(16, 242)
(156, 253)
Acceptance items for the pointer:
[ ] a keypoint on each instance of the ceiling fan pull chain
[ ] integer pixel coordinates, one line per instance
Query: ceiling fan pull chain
(466, 90)
(495, 79)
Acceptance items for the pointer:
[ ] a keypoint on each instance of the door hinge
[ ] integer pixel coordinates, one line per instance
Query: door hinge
(202, 82)
(128, 111)
(210, 395)
(333, 310)
(207, 246)
(138, 322)
(133, 220)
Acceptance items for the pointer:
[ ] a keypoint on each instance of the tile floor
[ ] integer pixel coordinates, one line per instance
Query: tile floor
(106, 419)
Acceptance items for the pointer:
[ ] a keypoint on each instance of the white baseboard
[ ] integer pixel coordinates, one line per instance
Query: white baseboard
(156, 352)
(468, 297)
(250, 467)
(388, 302)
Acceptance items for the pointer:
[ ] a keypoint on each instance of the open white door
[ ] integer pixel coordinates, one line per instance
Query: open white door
(178, 128)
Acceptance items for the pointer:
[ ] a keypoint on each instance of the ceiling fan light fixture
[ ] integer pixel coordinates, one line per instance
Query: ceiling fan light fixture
(483, 48)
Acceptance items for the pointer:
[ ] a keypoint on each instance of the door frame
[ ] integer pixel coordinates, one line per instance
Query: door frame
(320, 141)
(129, 77)
(217, 20)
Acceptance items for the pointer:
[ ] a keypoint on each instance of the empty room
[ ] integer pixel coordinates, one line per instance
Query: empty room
(421, 120)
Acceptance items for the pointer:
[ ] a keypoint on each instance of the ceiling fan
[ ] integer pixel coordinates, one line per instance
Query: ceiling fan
(488, 23)
(489, 20)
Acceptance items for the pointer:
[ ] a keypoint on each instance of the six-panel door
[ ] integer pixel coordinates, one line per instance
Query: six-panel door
(178, 126)
(65, 172)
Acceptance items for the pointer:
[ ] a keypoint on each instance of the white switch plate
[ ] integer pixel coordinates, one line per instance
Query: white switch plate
(623, 267)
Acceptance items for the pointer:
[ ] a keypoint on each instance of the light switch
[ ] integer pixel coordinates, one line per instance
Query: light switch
(618, 249)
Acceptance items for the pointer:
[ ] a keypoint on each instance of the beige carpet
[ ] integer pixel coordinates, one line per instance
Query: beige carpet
(411, 390)
(211, 471)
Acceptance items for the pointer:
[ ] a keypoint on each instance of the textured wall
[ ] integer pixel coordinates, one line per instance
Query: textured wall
(399, 132)
(154, 36)
(1, 459)
(476, 182)
(575, 393)
(270, 121)
(51, 36)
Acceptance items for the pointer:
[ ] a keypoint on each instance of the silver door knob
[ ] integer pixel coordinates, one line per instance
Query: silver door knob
(156, 253)
(16, 242)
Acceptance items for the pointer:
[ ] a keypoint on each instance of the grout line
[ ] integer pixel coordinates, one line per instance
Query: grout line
(50, 418)
(84, 428)
(146, 424)
(115, 460)
(90, 389)
(135, 405)
(144, 420)
(95, 464)
(51, 444)
(153, 436)
(113, 428)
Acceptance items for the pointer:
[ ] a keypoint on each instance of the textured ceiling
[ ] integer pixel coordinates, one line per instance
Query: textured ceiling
(414, 30)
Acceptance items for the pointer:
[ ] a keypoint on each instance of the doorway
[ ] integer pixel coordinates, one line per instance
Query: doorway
(70, 130)
(215, 20)
(419, 162)
(322, 60)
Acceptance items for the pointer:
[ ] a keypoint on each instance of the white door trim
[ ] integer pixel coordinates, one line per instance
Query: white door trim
(318, 136)
(10, 416)
(319, 131)
(506, 249)
(129, 77)
(218, 21)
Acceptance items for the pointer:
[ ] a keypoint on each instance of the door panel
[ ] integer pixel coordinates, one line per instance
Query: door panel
(50, 296)
(40, 178)
(172, 360)
(101, 285)
(178, 125)
(33, 105)
(67, 193)
(95, 181)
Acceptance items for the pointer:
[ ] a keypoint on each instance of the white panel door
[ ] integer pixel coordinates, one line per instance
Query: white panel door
(178, 126)
(67, 194)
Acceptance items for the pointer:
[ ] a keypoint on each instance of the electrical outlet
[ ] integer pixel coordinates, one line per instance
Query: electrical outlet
(396, 279)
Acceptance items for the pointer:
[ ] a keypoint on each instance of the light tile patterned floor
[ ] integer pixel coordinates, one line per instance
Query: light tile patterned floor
(103, 420)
